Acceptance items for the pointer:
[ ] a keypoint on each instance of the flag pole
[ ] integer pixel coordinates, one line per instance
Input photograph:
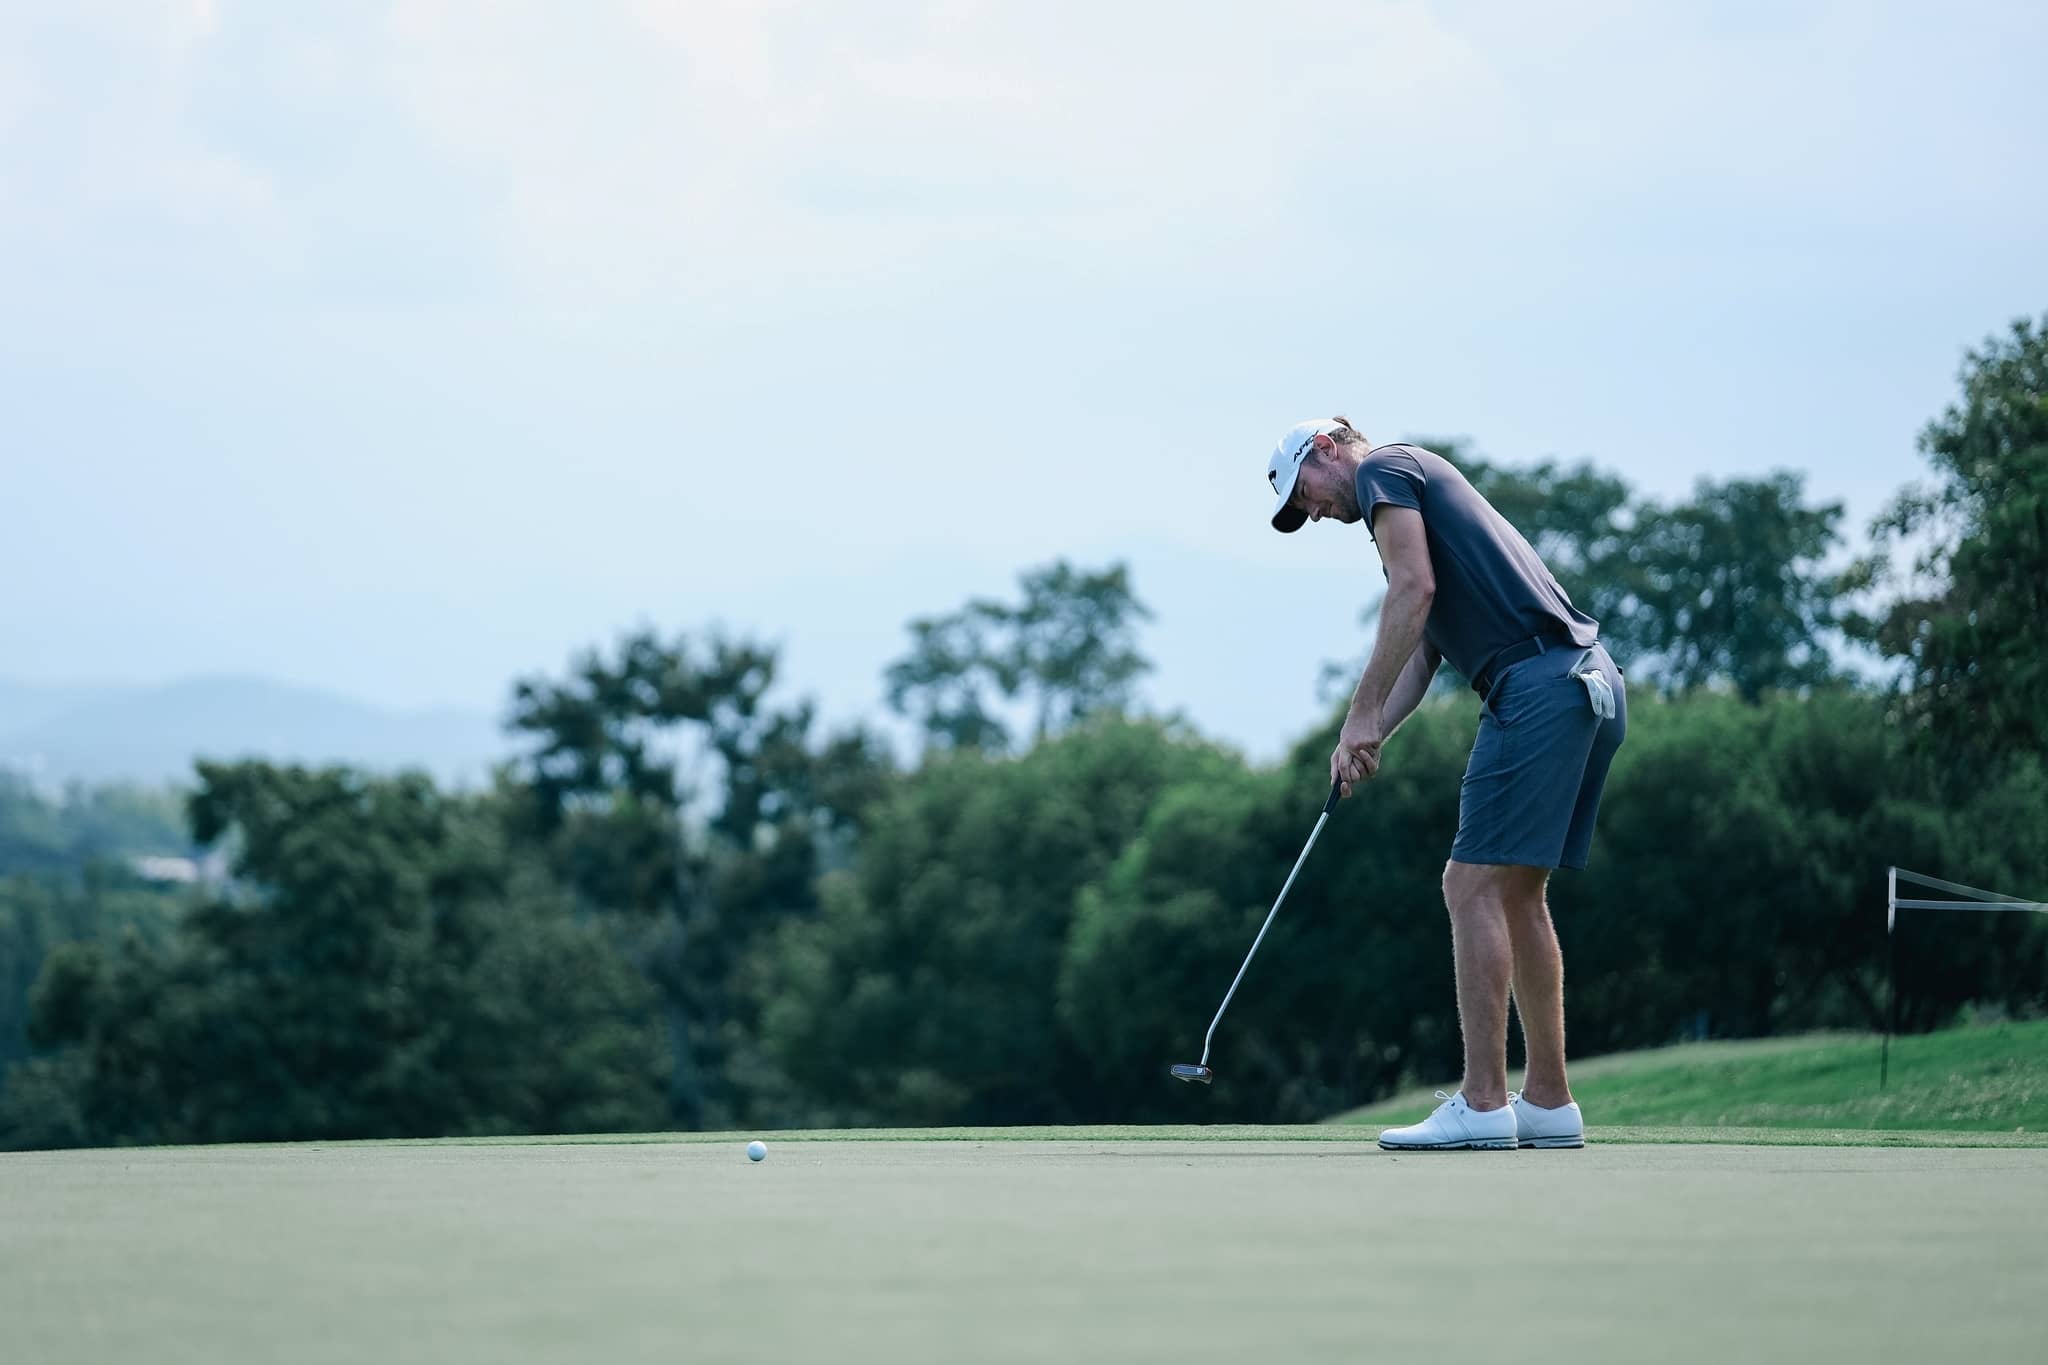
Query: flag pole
(1891, 974)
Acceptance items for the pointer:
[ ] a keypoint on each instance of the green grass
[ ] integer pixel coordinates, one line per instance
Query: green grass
(1983, 1081)
(1179, 1246)
(1753, 1201)
(1347, 1132)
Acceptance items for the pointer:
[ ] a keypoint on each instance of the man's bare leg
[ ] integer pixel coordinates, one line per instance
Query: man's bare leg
(1539, 992)
(1478, 896)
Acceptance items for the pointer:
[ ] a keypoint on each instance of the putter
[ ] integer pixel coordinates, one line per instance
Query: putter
(1182, 1071)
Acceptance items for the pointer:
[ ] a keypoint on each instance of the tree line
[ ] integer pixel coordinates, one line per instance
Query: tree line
(688, 903)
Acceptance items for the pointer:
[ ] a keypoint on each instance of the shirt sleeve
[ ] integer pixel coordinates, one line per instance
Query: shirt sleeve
(1390, 474)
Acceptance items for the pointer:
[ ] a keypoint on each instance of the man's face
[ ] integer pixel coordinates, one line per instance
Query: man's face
(1324, 490)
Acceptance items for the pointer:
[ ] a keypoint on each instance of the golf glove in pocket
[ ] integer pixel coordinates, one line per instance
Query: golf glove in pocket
(1599, 695)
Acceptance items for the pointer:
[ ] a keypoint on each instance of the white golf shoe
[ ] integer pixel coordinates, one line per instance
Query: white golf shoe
(1455, 1127)
(1563, 1126)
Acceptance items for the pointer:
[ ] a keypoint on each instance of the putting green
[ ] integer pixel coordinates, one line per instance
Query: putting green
(1288, 1246)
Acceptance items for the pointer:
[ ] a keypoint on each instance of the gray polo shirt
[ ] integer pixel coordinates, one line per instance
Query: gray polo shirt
(1491, 587)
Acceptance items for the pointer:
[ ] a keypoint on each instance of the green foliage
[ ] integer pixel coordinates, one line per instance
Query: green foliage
(1066, 651)
(1730, 587)
(1737, 887)
(925, 989)
(85, 824)
(605, 796)
(63, 880)
(948, 682)
(385, 967)
(603, 788)
(1970, 618)
(1738, 881)
(39, 915)
(1352, 983)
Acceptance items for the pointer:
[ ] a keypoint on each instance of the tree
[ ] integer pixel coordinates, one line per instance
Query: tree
(672, 790)
(41, 914)
(924, 992)
(1351, 990)
(1736, 888)
(1071, 648)
(604, 789)
(1731, 586)
(949, 683)
(1971, 615)
(60, 834)
(1065, 652)
(607, 786)
(384, 965)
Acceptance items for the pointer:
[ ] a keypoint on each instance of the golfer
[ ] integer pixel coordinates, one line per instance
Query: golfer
(1463, 585)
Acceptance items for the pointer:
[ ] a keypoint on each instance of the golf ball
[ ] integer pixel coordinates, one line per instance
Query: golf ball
(756, 1151)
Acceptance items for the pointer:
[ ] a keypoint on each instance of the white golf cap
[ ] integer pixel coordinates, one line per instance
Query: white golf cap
(1285, 467)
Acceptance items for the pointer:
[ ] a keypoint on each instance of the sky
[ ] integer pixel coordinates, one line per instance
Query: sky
(407, 349)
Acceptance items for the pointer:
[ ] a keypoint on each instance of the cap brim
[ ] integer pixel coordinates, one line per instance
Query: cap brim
(1287, 517)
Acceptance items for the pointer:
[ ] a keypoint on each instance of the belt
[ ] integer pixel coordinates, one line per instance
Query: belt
(1506, 658)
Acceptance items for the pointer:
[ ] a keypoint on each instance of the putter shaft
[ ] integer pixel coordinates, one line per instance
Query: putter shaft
(1336, 790)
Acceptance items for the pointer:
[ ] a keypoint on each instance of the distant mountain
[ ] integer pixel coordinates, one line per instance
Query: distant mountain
(105, 734)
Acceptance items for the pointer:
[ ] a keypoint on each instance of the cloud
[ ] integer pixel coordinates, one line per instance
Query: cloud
(707, 147)
(728, 149)
(101, 133)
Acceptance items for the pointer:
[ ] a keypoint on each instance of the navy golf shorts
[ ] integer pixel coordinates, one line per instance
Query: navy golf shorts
(1532, 788)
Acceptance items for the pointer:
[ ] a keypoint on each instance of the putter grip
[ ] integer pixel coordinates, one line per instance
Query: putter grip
(1336, 795)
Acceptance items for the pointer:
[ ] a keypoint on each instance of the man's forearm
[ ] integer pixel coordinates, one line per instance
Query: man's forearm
(1410, 688)
(1402, 616)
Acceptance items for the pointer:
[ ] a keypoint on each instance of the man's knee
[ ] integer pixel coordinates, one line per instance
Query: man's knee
(1458, 880)
(1467, 884)
(1511, 887)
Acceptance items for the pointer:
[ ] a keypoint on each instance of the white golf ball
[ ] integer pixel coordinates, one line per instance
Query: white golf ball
(756, 1151)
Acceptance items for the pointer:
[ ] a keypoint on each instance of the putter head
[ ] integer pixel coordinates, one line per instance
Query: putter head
(1182, 1071)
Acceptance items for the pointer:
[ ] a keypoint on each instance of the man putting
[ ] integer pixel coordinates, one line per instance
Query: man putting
(1463, 585)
